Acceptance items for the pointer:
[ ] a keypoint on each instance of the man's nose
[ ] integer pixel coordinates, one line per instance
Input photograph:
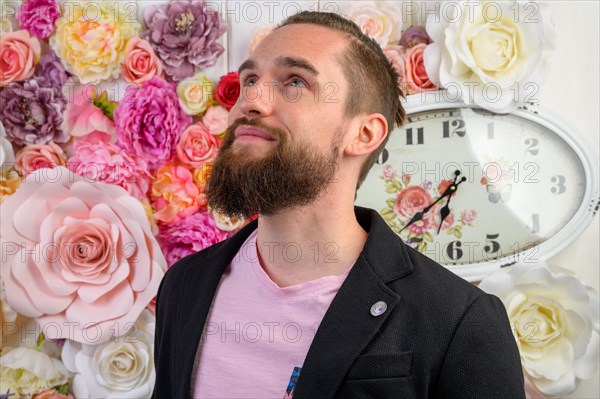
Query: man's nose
(258, 99)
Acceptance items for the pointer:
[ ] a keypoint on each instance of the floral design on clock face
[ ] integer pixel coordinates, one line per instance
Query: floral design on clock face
(410, 199)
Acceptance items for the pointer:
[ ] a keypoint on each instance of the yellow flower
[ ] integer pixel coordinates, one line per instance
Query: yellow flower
(9, 182)
(91, 38)
(196, 94)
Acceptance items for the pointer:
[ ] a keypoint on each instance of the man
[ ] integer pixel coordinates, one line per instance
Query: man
(318, 298)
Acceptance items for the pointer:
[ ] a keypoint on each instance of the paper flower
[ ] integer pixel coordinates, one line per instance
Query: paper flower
(25, 371)
(38, 17)
(228, 90)
(555, 323)
(97, 159)
(7, 155)
(122, 368)
(413, 36)
(397, 56)
(196, 94)
(36, 156)
(417, 80)
(91, 37)
(149, 121)
(82, 116)
(380, 20)
(184, 34)
(190, 235)
(9, 182)
(215, 119)
(141, 63)
(52, 69)
(174, 194)
(32, 112)
(19, 52)
(197, 146)
(490, 60)
(79, 256)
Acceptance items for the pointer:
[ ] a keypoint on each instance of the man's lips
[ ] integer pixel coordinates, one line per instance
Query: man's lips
(253, 131)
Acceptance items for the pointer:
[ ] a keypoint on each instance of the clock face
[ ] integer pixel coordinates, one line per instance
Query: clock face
(511, 183)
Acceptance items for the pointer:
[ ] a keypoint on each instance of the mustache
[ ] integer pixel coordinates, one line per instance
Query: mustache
(278, 133)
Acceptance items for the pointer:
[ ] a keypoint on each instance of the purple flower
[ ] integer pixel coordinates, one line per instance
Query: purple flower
(184, 33)
(52, 69)
(190, 235)
(413, 36)
(32, 112)
(38, 17)
(149, 121)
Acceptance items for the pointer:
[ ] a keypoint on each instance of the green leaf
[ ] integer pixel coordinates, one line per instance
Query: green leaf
(64, 389)
(40, 339)
(391, 202)
(457, 233)
(388, 215)
(422, 246)
(398, 184)
(391, 189)
(428, 237)
(106, 106)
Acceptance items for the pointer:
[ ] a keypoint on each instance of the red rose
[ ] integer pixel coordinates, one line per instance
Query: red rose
(228, 90)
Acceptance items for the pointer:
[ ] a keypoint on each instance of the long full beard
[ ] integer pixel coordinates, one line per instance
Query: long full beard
(243, 183)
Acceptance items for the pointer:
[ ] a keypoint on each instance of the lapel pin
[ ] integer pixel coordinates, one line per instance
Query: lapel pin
(378, 308)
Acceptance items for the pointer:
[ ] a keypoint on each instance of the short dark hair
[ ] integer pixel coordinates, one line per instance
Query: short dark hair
(375, 81)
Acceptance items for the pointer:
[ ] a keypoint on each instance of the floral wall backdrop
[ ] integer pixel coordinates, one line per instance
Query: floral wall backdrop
(111, 113)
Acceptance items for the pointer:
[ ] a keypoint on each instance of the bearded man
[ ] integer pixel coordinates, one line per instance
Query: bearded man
(319, 298)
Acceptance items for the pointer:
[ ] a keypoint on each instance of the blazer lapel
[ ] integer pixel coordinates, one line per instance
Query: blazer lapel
(348, 325)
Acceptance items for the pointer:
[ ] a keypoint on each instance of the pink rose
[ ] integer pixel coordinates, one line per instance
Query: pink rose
(80, 257)
(410, 201)
(388, 172)
(19, 52)
(82, 116)
(36, 156)
(51, 394)
(397, 56)
(468, 216)
(417, 80)
(443, 185)
(141, 63)
(97, 159)
(174, 194)
(197, 146)
(215, 119)
(433, 217)
(421, 227)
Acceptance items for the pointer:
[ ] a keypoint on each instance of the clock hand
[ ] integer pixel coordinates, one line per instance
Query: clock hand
(448, 191)
(445, 211)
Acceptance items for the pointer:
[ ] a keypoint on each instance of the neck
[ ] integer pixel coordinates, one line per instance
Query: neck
(309, 242)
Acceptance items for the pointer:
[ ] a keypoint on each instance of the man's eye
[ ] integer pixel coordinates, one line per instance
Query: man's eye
(297, 82)
(250, 80)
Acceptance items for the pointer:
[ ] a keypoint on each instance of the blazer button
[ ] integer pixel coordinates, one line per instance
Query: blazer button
(378, 308)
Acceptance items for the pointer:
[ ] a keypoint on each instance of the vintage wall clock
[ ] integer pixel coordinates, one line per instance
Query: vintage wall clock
(476, 191)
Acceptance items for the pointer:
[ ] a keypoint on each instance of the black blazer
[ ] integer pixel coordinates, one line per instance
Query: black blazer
(440, 336)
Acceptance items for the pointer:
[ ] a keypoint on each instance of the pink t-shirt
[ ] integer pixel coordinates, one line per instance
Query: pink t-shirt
(257, 334)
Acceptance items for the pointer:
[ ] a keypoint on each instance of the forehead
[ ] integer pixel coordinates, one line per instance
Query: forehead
(319, 45)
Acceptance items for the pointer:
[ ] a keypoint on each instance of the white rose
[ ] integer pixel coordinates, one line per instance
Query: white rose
(555, 322)
(24, 371)
(7, 155)
(195, 93)
(380, 20)
(493, 54)
(120, 368)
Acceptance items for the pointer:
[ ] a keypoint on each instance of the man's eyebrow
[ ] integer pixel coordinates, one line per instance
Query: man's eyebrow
(282, 61)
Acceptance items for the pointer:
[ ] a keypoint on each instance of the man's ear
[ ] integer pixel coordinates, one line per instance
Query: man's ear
(371, 131)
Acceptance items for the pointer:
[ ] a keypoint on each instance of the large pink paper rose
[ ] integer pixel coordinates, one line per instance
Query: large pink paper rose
(79, 257)
(36, 156)
(215, 119)
(197, 145)
(397, 56)
(141, 63)
(19, 52)
(410, 201)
